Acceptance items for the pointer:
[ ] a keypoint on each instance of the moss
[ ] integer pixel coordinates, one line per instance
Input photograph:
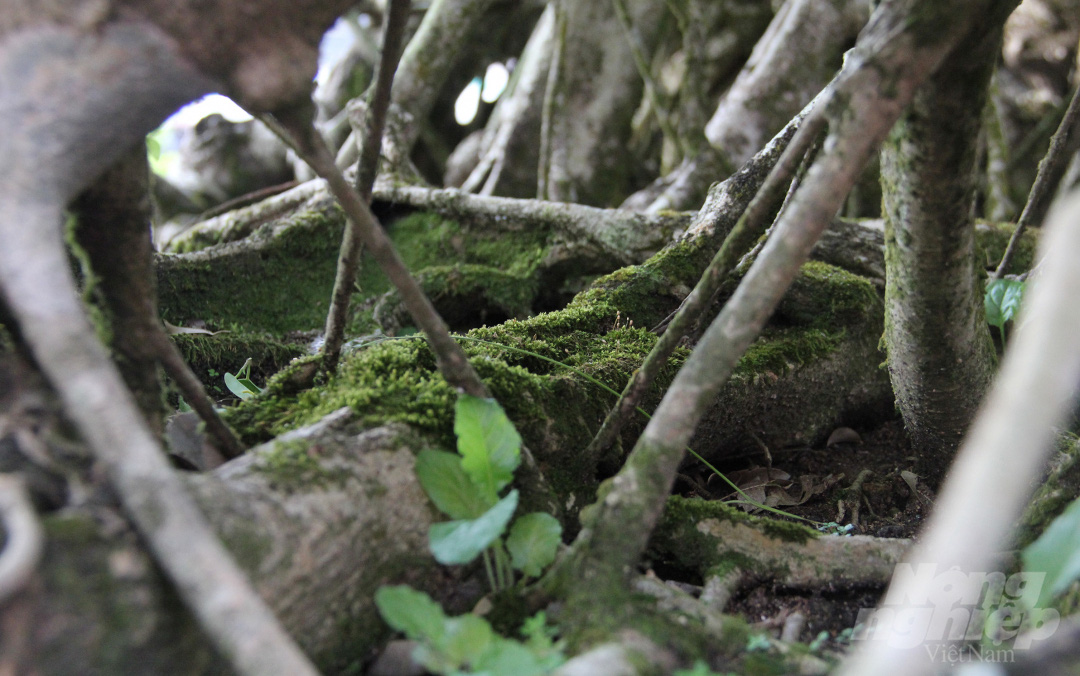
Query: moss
(277, 281)
(248, 546)
(74, 530)
(294, 464)
(426, 240)
(677, 535)
(778, 351)
(210, 357)
(993, 238)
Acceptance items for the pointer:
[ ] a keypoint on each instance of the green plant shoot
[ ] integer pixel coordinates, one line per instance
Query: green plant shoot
(241, 384)
(1002, 303)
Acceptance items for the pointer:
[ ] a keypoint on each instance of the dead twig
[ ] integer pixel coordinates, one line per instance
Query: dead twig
(369, 138)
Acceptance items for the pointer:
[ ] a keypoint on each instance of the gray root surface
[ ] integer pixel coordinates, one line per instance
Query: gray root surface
(318, 519)
(96, 88)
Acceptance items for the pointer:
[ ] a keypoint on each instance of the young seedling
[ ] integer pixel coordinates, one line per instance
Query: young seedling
(1002, 302)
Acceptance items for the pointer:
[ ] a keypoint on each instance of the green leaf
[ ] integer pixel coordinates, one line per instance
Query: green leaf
(1056, 553)
(466, 639)
(1002, 300)
(411, 612)
(237, 387)
(252, 387)
(490, 447)
(510, 658)
(445, 482)
(459, 542)
(1013, 298)
(538, 635)
(533, 542)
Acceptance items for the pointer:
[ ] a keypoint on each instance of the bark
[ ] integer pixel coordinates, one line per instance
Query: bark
(790, 63)
(431, 55)
(507, 157)
(127, 75)
(990, 482)
(941, 359)
(318, 518)
(793, 60)
(593, 86)
(113, 230)
(892, 59)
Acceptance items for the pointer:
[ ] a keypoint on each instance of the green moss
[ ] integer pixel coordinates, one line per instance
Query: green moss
(993, 238)
(293, 464)
(677, 535)
(74, 530)
(427, 240)
(248, 546)
(778, 351)
(210, 357)
(279, 280)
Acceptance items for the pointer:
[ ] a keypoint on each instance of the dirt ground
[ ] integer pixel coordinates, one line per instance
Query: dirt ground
(891, 502)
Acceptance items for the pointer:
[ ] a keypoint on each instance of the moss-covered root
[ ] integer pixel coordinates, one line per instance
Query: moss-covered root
(318, 519)
(709, 538)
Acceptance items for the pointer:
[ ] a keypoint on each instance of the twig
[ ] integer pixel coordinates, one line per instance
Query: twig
(370, 141)
(23, 537)
(544, 189)
(1062, 147)
(299, 133)
(861, 111)
(741, 238)
(195, 394)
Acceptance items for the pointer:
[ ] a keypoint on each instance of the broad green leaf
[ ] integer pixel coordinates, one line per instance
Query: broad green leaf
(510, 658)
(490, 447)
(467, 637)
(411, 612)
(1002, 300)
(446, 483)
(533, 541)
(1056, 553)
(1012, 299)
(237, 387)
(251, 387)
(459, 542)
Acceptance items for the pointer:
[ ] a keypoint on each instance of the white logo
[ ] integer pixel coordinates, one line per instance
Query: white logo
(958, 606)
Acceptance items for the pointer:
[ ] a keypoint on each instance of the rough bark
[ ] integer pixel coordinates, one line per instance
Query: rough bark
(892, 59)
(990, 482)
(793, 60)
(941, 358)
(127, 72)
(593, 90)
(116, 209)
(508, 154)
(318, 519)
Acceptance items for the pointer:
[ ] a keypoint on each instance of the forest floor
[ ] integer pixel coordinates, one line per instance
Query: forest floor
(885, 506)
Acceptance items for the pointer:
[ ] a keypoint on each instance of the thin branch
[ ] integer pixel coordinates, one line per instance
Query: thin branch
(544, 189)
(893, 57)
(299, 133)
(750, 226)
(195, 394)
(370, 140)
(23, 537)
(1063, 146)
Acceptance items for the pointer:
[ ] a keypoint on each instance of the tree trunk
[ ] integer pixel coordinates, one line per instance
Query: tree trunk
(941, 359)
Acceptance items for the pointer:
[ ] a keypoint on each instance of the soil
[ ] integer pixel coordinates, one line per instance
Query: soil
(892, 503)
